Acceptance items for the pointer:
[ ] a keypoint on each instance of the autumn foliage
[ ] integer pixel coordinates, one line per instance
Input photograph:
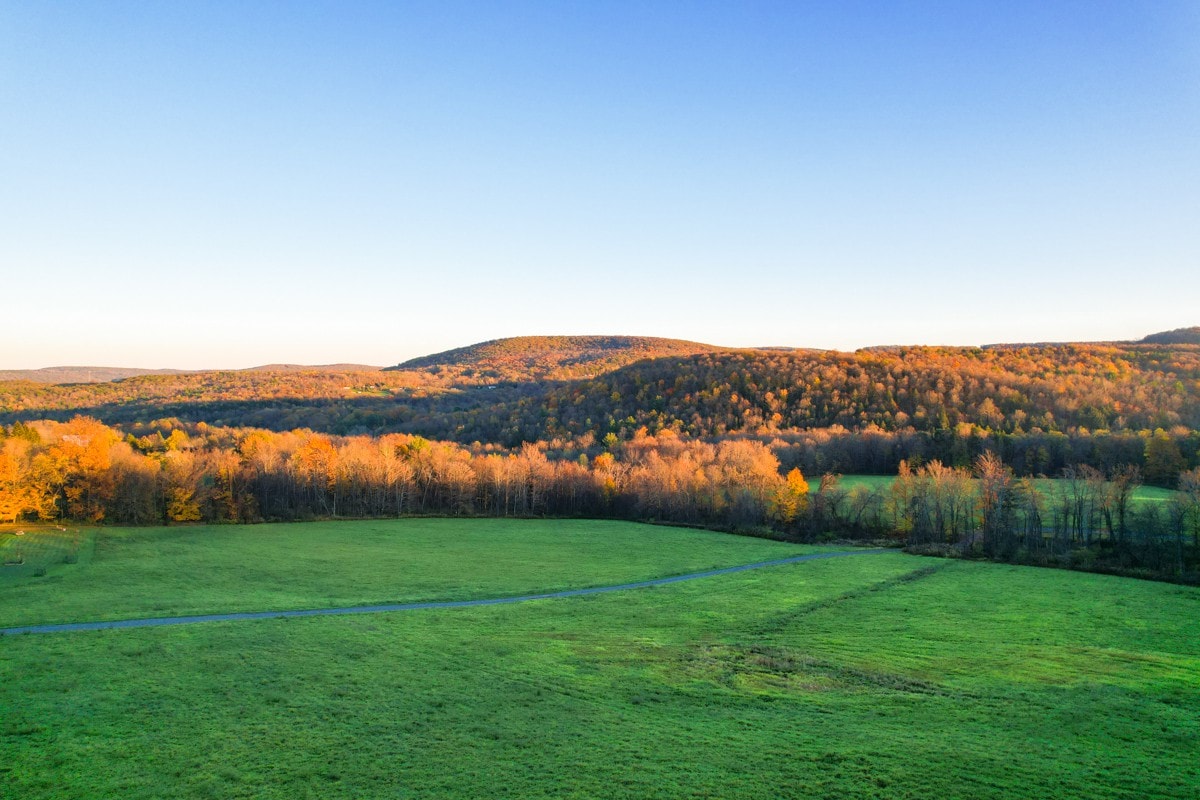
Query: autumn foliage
(85, 471)
(648, 429)
(1041, 408)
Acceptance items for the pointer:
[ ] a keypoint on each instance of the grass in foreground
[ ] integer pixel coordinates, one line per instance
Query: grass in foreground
(868, 677)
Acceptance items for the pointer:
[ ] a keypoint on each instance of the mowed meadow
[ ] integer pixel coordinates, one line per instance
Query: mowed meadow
(867, 676)
(1047, 487)
(1143, 494)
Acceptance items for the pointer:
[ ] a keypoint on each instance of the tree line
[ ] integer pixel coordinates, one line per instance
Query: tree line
(168, 472)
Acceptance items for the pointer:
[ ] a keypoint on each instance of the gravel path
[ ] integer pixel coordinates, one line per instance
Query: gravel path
(154, 622)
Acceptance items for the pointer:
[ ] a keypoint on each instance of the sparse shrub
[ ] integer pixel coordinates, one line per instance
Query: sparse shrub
(1083, 558)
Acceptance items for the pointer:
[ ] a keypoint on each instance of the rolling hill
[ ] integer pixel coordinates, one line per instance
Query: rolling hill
(526, 358)
(1178, 336)
(537, 388)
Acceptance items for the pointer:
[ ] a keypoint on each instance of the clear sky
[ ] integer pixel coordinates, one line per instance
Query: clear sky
(208, 184)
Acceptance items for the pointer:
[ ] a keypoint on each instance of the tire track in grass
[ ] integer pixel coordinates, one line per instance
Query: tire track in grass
(756, 652)
(155, 622)
(782, 620)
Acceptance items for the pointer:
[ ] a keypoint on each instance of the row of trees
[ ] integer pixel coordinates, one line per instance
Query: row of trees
(989, 506)
(85, 471)
(1160, 455)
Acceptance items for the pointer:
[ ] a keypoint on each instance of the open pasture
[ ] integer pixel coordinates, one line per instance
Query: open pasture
(873, 676)
(33, 550)
(147, 572)
(1048, 487)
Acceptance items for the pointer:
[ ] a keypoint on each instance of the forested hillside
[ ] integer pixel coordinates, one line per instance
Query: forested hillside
(1178, 336)
(655, 429)
(1041, 407)
(331, 394)
(1000, 390)
(549, 358)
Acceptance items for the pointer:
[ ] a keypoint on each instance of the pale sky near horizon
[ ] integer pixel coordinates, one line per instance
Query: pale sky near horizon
(224, 184)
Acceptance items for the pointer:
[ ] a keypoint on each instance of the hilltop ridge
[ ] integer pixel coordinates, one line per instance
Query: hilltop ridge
(552, 357)
(59, 375)
(582, 388)
(1178, 336)
(536, 358)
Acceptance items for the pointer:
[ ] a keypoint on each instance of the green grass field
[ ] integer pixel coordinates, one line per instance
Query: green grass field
(147, 572)
(851, 482)
(873, 676)
(1047, 486)
(27, 550)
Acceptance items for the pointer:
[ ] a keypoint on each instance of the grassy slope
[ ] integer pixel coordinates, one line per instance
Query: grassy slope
(879, 676)
(139, 572)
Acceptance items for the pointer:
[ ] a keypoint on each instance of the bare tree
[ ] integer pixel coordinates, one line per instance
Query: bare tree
(997, 504)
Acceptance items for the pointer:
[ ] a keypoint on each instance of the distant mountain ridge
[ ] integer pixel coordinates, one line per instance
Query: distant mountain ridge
(66, 375)
(1178, 336)
(1045, 406)
(312, 368)
(82, 374)
(524, 358)
(532, 358)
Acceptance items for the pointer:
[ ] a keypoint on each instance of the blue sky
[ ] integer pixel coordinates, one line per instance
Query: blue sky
(228, 184)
